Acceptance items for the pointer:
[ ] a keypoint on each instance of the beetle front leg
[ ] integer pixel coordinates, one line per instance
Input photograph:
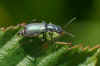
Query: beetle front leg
(44, 37)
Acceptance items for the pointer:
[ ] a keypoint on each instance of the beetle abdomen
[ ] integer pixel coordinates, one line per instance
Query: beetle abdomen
(34, 29)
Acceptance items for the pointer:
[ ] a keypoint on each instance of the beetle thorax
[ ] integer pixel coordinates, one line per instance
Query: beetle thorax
(51, 27)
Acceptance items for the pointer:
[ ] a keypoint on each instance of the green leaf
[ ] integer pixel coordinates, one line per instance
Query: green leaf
(18, 50)
(91, 61)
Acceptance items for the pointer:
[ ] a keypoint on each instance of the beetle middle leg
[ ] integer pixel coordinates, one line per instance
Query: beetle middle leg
(44, 36)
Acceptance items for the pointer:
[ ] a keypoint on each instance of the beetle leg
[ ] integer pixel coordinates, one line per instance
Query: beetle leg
(43, 39)
(44, 36)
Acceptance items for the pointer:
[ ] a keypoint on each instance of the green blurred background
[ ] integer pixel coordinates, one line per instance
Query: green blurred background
(86, 27)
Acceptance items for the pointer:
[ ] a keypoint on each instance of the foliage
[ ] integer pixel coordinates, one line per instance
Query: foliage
(17, 50)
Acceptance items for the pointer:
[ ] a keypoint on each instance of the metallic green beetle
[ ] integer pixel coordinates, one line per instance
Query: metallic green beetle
(36, 29)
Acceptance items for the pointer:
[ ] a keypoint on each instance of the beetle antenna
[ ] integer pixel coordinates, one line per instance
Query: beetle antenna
(70, 34)
(69, 22)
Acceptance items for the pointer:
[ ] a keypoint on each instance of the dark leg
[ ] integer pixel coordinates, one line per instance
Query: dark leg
(44, 37)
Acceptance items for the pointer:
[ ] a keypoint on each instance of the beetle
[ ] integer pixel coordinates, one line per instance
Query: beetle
(36, 29)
